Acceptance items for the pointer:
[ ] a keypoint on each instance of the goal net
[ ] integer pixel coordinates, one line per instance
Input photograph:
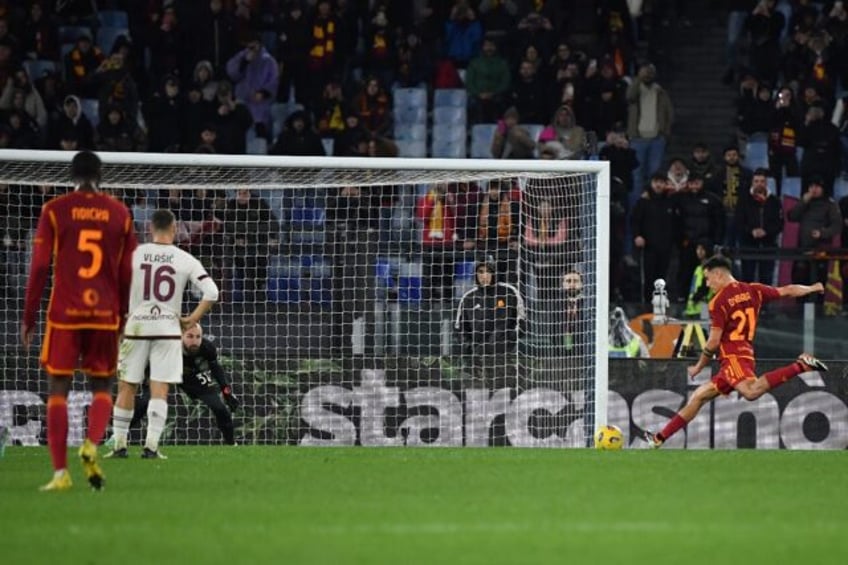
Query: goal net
(364, 301)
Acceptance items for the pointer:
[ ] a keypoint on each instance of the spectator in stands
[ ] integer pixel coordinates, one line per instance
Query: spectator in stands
(512, 141)
(607, 100)
(414, 66)
(165, 114)
(52, 91)
(563, 129)
(701, 219)
(203, 78)
(536, 28)
(116, 86)
(487, 81)
(118, 133)
(656, 229)
(380, 58)
(699, 293)
(232, 121)
(40, 39)
(298, 138)
(765, 25)
(495, 226)
(353, 141)
(73, 119)
(29, 100)
(197, 112)
(437, 212)
(795, 59)
(677, 175)
(68, 141)
(783, 137)
(759, 222)
(820, 140)
(463, 34)
(529, 96)
(212, 35)
(24, 133)
(293, 42)
(498, 18)
(330, 111)
(252, 231)
(730, 185)
(754, 109)
(374, 106)
(323, 58)
(649, 118)
(81, 63)
(254, 72)
(701, 163)
(165, 42)
(8, 38)
(207, 140)
(819, 222)
(546, 240)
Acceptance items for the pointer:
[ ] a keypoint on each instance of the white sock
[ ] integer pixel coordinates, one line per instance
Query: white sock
(157, 414)
(121, 419)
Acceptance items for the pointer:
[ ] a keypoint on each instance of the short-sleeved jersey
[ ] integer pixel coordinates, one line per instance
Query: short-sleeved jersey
(160, 273)
(88, 239)
(735, 310)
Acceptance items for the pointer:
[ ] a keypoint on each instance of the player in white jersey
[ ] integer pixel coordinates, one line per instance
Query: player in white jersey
(153, 331)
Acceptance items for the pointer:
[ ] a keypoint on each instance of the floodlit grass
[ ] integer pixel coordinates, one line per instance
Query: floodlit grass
(364, 505)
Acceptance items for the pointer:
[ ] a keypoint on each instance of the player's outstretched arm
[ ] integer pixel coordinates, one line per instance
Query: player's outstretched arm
(799, 290)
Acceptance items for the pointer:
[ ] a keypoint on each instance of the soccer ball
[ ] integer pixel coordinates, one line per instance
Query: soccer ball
(608, 438)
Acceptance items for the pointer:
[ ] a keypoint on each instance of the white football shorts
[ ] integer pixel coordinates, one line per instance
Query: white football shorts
(165, 357)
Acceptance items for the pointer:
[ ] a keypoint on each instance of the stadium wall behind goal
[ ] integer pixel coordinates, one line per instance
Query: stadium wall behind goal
(424, 401)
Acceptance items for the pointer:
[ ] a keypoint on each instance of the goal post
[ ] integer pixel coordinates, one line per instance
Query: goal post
(350, 310)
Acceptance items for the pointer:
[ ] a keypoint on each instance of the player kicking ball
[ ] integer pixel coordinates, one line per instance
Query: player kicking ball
(734, 311)
(153, 332)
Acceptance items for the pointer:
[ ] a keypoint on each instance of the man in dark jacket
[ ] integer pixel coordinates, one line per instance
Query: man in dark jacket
(655, 222)
(487, 319)
(701, 218)
(820, 221)
(759, 220)
(820, 140)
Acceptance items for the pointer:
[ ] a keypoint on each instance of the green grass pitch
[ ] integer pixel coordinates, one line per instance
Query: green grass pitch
(397, 506)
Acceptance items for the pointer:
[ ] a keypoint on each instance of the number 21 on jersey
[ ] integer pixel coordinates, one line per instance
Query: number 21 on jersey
(746, 324)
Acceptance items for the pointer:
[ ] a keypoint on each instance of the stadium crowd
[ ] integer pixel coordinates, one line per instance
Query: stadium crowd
(537, 79)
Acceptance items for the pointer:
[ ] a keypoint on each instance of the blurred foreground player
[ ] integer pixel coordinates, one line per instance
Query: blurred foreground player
(734, 311)
(88, 239)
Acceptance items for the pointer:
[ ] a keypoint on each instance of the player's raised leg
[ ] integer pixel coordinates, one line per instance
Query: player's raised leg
(703, 394)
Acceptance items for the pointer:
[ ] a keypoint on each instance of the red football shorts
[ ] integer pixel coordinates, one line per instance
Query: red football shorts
(733, 371)
(94, 352)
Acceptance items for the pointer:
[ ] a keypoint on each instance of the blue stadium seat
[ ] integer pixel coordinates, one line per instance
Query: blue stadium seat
(329, 144)
(410, 98)
(70, 34)
(257, 146)
(410, 132)
(791, 186)
(449, 115)
(113, 18)
(481, 140)
(303, 279)
(91, 109)
(449, 149)
(449, 132)
(409, 283)
(106, 37)
(386, 272)
(756, 155)
(416, 149)
(37, 69)
(840, 190)
(410, 115)
(450, 97)
(316, 280)
(463, 279)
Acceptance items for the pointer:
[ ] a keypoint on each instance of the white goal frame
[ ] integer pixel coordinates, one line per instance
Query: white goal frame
(600, 170)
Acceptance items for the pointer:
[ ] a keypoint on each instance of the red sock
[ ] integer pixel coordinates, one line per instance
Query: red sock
(57, 431)
(671, 428)
(779, 376)
(98, 416)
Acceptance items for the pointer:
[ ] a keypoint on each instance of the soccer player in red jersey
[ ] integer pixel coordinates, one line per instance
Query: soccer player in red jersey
(734, 310)
(88, 239)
